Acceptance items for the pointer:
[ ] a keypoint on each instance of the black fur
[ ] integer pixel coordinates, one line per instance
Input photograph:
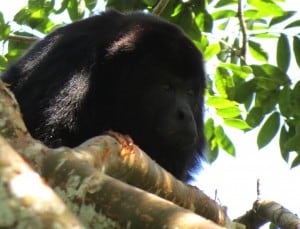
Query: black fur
(133, 73)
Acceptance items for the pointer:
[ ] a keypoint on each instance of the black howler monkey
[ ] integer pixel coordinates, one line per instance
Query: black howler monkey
(132, 73)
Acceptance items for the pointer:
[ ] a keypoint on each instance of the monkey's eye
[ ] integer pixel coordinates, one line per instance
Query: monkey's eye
(190, 92)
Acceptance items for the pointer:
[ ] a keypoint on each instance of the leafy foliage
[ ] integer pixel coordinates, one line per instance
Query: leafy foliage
(247, 89)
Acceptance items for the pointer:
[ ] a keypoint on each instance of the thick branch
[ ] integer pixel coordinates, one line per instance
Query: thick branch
(130, 164)
(121, 202)
(25, 199)
(106, 154)
(269, 211)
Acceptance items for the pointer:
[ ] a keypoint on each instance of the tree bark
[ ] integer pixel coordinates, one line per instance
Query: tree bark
(68, 171)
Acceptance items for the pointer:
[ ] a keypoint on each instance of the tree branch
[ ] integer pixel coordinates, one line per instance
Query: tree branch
(23, 39)
(26, 199)
(240, 16)
(160, 7)
(106, 154)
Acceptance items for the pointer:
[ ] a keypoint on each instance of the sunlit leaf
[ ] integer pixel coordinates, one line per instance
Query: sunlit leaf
(220, 80)
(204, 21)
(219, 102)
(76, 9)
(213, 149)
(209, 128)
(264, 35)
(223, 26)
(237, 123)
(266, 8)
(90, 4)
(222, 3)
(286, 16)
(257, 51)
(4, 28)
(223, 141)
(241, 71)
(223, 14)
(251, 13)
(211, 51)
(268, 130)
(3, 63)
(229, 112)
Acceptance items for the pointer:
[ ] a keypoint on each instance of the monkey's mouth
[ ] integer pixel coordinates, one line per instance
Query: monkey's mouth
(178, 140)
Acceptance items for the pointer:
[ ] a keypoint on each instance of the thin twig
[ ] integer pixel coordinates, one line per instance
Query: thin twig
(240, 16)
(23, 39)
(160, 7)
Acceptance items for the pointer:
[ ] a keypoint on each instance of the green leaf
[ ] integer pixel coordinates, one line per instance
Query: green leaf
(204, 21)
(209, 129)
(295, 99)
(3, 63)
(223, 14)
(184, 18)
(268, 130)
(251, 13)
(213, 153)
(221, 78)
(222, 3)
(292, 143)
(266, 83)
(223, 26)
(264, 35)
(211, 51)
(223, 141)
(255, 116)
(266, 8)
(284, 101)
(283, 138)
(296, 47)
(257, 51)
(4, 28)
(283, 53)
(267, 100)
(237, 123)
(219, 102)
(241, 71)
(286, 16)
(296, 161)
(224, 82)
(293, 24)
(213, 149)
(271, 72)
(244, 91)
(76, 9)
(90, 4)
(229, 112)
